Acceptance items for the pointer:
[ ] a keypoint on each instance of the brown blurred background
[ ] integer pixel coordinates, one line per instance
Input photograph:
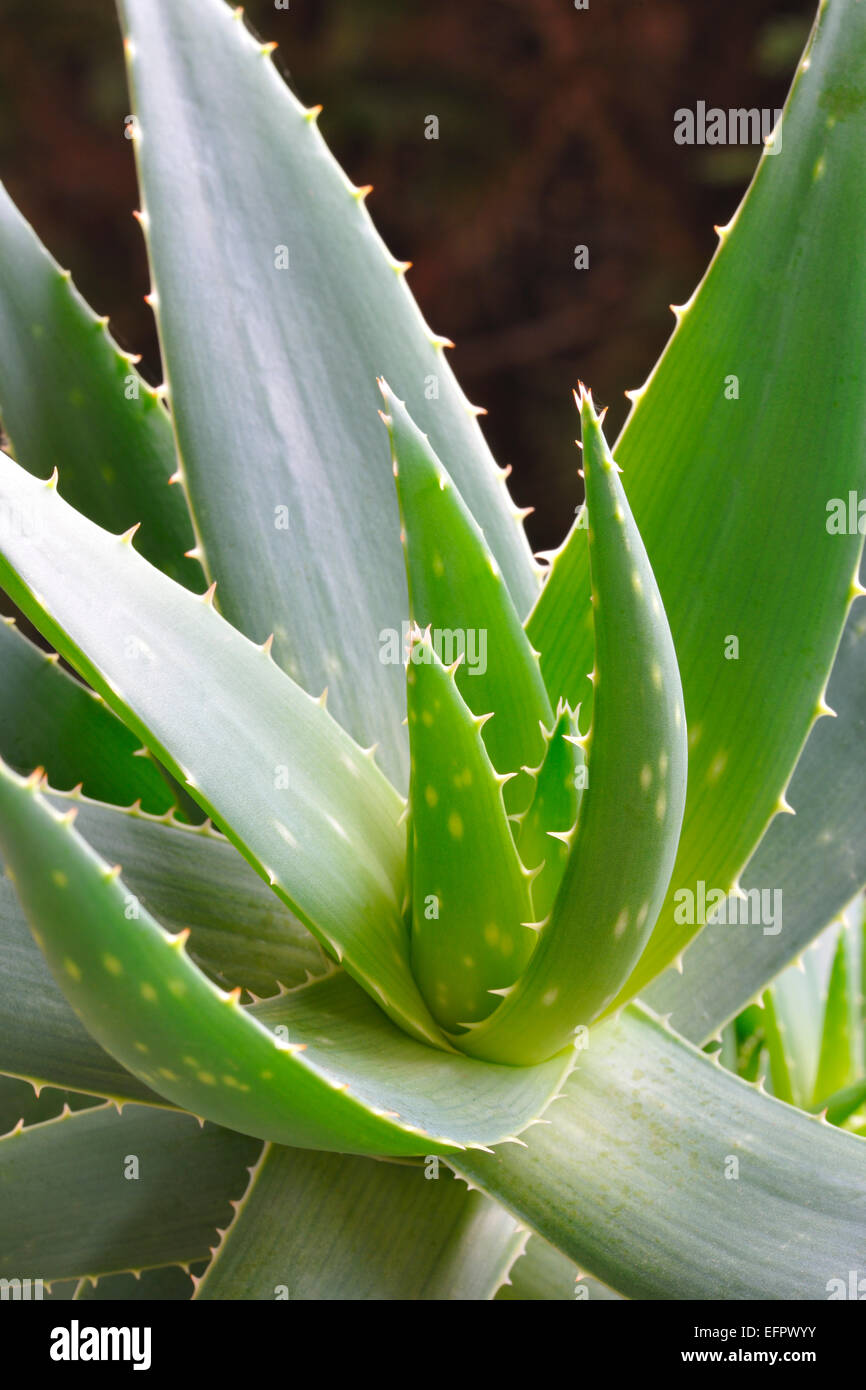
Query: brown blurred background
(556, 129)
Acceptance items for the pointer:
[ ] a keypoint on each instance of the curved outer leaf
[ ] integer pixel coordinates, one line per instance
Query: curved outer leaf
(816, 859)
(70, 399)
(70, 1209)
(730, 491)
(323, 1226)
(457, 589)
(305, 806)
(269, 378)
(48, 720)
(240, 932)
(321, 1070)
(471, 905)
(630, 813)
(630, 1178)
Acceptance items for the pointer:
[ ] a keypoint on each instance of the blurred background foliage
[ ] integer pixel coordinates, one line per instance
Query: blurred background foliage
(555, 130)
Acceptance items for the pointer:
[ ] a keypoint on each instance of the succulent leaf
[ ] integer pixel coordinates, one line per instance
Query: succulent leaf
(815, 860)
(326, 1226)
(625, 840)
(49, 720)
(68, 1174)
(97, 419)
(457, 590)
(470, 892)
(752, 377)
(543, 830)
(283, 416)
(319, 1067)
(309, 809)
(606, 1179)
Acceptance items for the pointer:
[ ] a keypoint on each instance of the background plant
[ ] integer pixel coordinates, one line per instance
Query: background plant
(291, 393)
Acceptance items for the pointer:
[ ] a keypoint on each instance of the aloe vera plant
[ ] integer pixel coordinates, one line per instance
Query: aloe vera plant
(417, 976)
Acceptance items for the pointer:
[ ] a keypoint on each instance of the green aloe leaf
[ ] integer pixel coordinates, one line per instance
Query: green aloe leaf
(630, 813)
(320, 1067)
(668, 1178)
(128, 1191)
(560, 624)
(816, 860)
(456, 588)
(753, 375)
(544, 828)
(302, 802)
(471, 905)
(275, 222)
(325, 1226)
(240, 932)
(49, 720)
(96, 418)
(169, 1283)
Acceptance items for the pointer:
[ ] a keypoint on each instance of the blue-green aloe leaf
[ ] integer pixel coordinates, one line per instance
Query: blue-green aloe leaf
(814, 860)
(309, 809)
(318, 1067)
(668, 1178)
(324, 1226)
(72, 1175)
(767, 358)
(623, 846)
(272, 381)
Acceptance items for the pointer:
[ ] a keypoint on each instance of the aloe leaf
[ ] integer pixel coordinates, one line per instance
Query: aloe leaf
(471, 906)
(48, 719)
(751, 378)
(324, 1226)
(21, 1103)
(840, 1060)
(542, 834)
(95, 418)
(167, 1284)
(240, 932)
(626, 836)
(73, 1174)
(668, 1178)
(302, 802)
(543, 1274)
(272, 427)
(320, 1067)
(456, 588)
(816, 859)
(560, 623)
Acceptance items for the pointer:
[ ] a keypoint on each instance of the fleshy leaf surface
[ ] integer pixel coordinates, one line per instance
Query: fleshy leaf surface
(470, 892)
(625, 841)
(94, 417)
(767, 359)
(630, 1177)
(309, 809)
(327, 1226)
(457, 590)
(275, 407)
